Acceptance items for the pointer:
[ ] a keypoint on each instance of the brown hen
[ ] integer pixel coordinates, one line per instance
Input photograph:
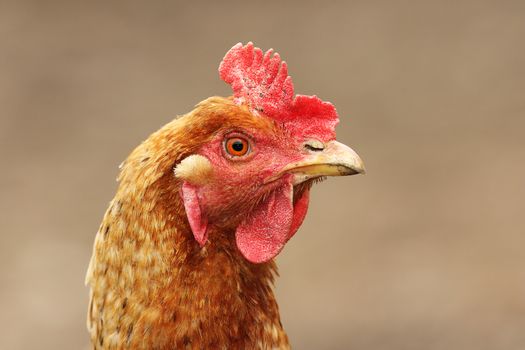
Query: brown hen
(184, 255)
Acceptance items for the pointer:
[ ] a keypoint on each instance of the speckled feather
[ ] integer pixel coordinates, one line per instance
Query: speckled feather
(152, 286)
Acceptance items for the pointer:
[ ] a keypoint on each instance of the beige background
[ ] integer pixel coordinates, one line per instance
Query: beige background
(424, 252)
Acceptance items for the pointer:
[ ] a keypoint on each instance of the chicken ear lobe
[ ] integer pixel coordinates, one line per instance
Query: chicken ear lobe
(196, 218)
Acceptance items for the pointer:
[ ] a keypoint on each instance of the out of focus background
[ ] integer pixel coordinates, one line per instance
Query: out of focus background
(427, 251)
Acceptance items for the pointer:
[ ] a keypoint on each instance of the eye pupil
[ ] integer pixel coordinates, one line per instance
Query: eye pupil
(237, 146)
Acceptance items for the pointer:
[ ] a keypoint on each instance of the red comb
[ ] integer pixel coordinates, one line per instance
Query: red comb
(262, 81)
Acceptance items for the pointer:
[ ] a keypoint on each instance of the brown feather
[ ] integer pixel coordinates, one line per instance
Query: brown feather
(152, 285)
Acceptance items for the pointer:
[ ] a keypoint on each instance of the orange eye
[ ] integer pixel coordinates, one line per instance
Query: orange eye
(237, 146)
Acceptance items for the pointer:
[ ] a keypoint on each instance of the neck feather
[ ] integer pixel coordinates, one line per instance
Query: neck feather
(153, 286)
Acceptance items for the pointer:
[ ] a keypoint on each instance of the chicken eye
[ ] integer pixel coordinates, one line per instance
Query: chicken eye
(237, 146)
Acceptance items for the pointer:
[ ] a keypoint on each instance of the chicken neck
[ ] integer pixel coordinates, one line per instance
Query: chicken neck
(157, 288)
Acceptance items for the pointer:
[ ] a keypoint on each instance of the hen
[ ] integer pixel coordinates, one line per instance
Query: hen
(184, 255)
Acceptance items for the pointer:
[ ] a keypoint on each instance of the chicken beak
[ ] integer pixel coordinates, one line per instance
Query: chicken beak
(330, 159)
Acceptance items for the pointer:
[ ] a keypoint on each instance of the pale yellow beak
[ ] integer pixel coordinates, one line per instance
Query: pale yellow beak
(330, 159)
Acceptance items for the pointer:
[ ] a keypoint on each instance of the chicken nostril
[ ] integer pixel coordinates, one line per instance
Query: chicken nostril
(312, 148)
(314, 145)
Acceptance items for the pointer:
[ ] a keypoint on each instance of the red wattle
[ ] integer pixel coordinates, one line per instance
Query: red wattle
(271, 224)
(198, 222)
(299, 212)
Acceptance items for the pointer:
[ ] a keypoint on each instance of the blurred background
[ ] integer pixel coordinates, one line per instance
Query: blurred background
(424, 252)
